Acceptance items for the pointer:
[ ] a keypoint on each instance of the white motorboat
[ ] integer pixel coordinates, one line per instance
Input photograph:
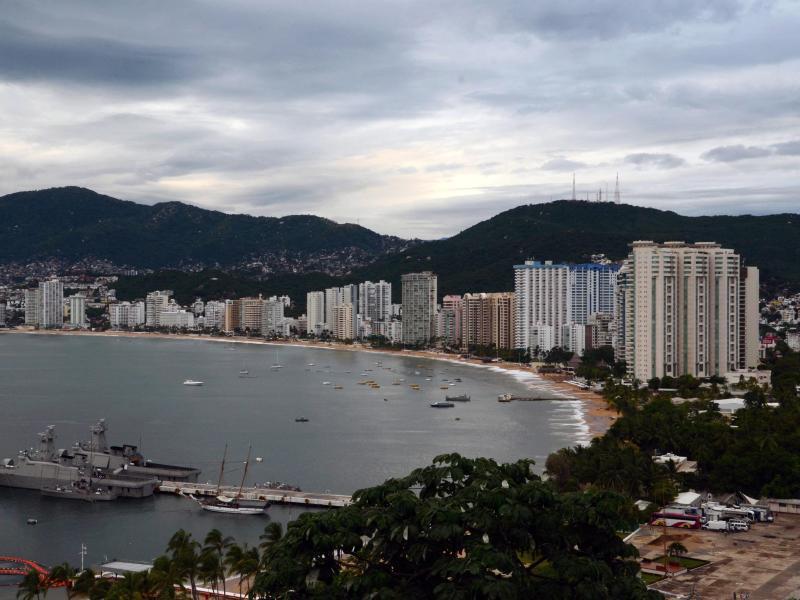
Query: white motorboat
(192, 382)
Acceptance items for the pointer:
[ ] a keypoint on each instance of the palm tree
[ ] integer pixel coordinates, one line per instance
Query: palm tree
(31, 586)
(209, 568)
(184, 554)
(132, 586)
(218, 543)
(273, 532)
(242, 561)
(676, 550)
(65, 574)
(165, 577)
(83, 582)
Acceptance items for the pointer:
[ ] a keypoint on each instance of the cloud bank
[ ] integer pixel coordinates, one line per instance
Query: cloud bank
(416, 119)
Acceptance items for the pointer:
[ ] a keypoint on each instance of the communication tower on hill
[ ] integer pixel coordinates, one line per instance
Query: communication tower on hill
(616, 191)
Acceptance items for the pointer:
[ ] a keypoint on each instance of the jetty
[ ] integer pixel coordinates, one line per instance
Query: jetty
(273, 495)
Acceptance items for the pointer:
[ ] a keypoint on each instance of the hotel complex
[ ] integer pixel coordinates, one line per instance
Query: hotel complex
(668, 309)
(686, 309)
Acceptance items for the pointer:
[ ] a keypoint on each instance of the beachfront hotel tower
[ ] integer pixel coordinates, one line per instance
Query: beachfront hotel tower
(419, 308)
(542, 300)
(686, 309)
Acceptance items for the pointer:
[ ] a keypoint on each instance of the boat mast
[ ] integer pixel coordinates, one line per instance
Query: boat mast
(246, 464)
(222, 469)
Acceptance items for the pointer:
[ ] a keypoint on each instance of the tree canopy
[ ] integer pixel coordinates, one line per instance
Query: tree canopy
(460, 528)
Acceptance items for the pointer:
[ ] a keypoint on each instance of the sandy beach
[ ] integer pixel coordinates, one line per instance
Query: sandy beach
(595, 412)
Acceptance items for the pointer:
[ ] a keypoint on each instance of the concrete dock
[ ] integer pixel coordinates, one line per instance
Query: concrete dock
(276, 496)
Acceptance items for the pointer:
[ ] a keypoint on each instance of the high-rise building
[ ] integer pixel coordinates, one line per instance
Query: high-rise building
(488, 320)
(542, 298)
(272, 317)
(687, 309)
(592, 289)
(375, 300)
(233, 316)
(748, 318)
(155, 303)
(577, 338)
(315, 312)
(3, 316)
(198, 308)
(32, 306)
(77, 310)
(602, 325)
(126, 315)
(251, 313)
(175, 317)
(450, 320)
(419, 307)
(51, 304)
(333, 298)
(214, 315)
(343, 322)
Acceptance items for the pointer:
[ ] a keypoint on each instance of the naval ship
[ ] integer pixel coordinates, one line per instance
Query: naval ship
(118, 471)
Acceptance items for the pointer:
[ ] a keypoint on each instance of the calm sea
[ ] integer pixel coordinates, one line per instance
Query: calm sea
(353, 438)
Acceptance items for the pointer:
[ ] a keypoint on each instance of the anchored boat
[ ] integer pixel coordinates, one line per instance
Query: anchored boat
(459, 398)
(236, 505)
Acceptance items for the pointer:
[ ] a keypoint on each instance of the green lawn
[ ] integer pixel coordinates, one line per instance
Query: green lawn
(651, 578)
(684, 561)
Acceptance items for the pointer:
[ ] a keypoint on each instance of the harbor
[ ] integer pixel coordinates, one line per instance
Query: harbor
(272, 495)
(352, 439)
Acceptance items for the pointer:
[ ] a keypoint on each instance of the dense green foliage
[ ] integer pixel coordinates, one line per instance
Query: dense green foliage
(758, 452)
(74, 223)
(460, 528)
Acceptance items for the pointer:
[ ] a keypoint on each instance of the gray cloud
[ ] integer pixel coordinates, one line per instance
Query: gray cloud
(787, 148)
(395, 114)
(563, 164)
(734, 153)
(25, 54)
(656, 160)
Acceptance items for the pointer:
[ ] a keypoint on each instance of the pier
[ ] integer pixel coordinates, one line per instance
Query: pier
(276, 496)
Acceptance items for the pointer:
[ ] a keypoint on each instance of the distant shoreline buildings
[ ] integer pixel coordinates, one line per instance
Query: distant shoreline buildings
(668, 309)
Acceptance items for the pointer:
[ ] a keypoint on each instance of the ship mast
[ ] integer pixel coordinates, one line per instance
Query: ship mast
(222, 469)
(246, 464)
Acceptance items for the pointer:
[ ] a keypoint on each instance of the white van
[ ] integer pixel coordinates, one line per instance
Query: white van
(738, 525)
(716, 526)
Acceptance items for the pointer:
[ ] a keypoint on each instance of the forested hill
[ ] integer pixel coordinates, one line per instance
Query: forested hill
(481, 257)
(73, 224)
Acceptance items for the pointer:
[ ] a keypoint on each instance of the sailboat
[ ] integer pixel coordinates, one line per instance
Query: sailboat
(235, 505)
(276, 365)
(243, 372)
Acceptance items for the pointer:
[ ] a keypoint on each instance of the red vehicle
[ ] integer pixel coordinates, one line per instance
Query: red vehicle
(676, 520)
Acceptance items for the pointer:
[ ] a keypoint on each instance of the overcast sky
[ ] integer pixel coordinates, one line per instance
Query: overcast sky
(412, 118)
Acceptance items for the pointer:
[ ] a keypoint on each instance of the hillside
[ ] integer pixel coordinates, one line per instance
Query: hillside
(481, 257)
(74, 224)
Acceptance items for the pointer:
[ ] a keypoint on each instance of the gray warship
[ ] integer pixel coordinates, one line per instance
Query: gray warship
(118, 471)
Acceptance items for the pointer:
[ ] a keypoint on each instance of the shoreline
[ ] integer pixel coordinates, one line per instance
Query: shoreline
(593, 412)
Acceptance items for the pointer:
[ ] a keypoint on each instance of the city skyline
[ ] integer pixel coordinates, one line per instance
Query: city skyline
(395, 119)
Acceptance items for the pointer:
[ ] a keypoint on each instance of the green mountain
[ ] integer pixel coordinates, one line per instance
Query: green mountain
(481, 258)
(74, 224)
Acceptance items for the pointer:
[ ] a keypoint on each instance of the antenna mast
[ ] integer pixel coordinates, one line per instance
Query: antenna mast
(222, 469)
(246, 464)
(573, 187)
(616, 191)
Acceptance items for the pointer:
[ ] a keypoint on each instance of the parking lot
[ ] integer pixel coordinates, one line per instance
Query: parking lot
(763, 562)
